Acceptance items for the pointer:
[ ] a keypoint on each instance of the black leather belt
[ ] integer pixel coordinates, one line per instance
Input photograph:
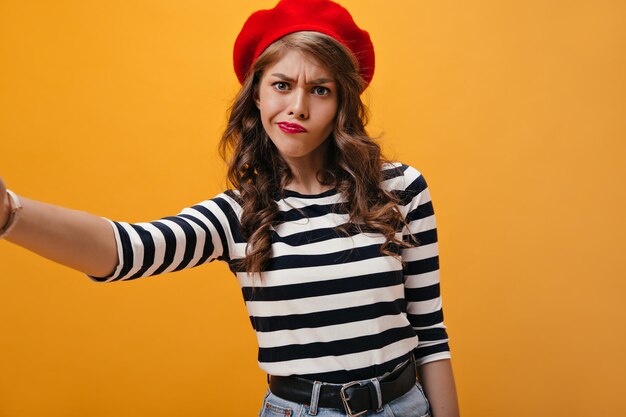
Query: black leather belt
(356, 398)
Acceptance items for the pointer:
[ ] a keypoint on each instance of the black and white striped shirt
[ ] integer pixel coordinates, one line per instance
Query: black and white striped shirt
(329, 307)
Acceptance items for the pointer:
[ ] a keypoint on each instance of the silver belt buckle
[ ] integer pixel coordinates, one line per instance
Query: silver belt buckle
(345, 399)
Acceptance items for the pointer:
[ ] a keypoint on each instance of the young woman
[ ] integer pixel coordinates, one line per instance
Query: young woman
(335, 248)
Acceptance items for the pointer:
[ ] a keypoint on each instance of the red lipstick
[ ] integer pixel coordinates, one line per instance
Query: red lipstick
(291, 127)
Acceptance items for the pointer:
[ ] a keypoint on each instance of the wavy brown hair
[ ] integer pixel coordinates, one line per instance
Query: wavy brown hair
(354, 162)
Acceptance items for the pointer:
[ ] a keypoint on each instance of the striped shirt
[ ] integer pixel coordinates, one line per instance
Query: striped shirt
(330, 306)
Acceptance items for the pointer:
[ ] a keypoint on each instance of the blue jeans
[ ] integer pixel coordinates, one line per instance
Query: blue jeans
(411, 404)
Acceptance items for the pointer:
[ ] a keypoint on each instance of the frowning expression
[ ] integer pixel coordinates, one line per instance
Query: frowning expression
(297, 97)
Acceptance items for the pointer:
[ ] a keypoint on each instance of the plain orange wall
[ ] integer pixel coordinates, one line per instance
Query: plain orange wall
(513, 110)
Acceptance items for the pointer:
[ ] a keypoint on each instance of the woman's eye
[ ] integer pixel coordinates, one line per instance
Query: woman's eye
(281, 86)
(321, 91)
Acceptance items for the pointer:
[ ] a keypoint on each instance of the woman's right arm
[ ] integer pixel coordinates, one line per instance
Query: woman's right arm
(70, 237)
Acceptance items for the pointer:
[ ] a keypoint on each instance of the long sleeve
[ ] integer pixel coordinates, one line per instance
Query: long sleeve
(197, 235)
(421, 271)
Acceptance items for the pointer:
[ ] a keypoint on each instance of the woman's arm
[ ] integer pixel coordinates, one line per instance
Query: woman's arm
(423, 295)
(73, 238)
(437, 380)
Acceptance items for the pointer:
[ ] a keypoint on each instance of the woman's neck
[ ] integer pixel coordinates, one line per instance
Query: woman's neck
(305, 180)
(311, 188)
(305, 173)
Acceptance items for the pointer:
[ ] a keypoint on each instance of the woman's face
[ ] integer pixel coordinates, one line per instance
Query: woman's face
(297, 98)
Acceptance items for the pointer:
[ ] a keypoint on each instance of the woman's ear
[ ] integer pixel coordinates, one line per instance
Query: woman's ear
(257, 100)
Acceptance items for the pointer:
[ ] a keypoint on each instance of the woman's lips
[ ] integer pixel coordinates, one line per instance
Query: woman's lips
(291, 127)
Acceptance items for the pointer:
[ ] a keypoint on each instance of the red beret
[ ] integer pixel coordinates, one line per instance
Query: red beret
(266, 26)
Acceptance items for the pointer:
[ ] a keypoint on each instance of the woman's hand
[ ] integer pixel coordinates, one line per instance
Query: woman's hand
(5, 207)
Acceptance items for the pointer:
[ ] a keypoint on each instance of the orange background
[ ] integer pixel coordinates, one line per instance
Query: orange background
(513, 110)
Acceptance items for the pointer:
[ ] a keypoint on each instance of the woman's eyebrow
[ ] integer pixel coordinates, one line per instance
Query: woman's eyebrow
(318, 81)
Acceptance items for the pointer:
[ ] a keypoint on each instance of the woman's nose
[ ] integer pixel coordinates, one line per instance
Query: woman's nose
(299, 104)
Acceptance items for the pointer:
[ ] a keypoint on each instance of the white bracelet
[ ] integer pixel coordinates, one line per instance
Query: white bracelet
(14, 214)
